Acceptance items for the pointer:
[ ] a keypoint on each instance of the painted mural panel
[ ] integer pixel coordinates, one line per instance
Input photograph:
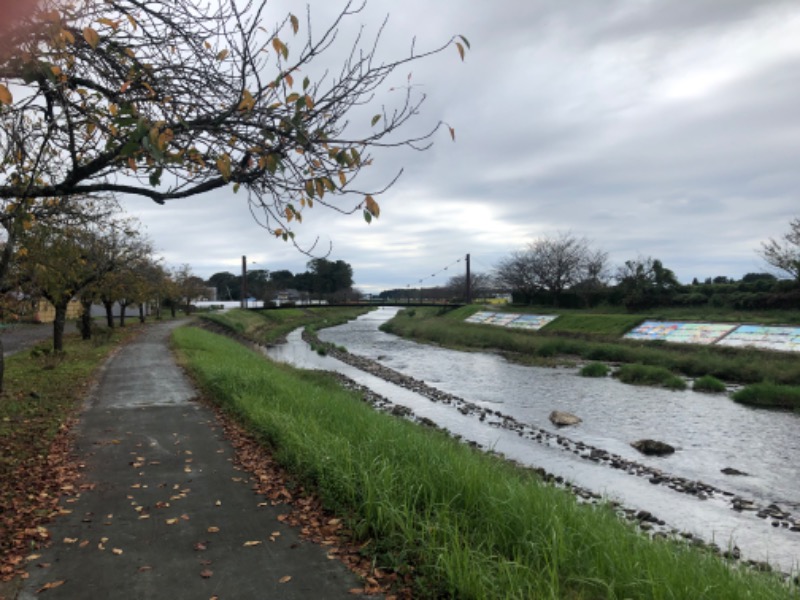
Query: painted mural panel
(680, 332)
(531, 322)
(479, 317)
(515, 320)
(652, 330)
(786, 339)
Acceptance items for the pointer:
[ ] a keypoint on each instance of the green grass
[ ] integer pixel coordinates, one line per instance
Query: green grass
(769, 395)
(601, 325)
(594, 369)
(636, 374)
(471, 525)
(267, 326)
(709, 384)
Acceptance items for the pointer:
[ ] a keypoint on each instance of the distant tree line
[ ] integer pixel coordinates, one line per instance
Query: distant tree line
(323, 279)
(566, 271)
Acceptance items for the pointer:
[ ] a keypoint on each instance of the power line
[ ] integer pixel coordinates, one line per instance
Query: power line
(439, 272)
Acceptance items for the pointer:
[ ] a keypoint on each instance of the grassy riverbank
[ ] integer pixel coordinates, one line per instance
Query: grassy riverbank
(268, 326)
(594, 337)
(42, 392)
(471, 525)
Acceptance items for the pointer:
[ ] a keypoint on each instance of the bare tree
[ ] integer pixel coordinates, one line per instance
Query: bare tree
(515, 273)
(784, 253)
(167, 100)
(553, 265)
(481, 285)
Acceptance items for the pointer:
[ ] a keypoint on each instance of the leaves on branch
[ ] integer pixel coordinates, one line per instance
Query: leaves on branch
(91, 37)
(5, 95)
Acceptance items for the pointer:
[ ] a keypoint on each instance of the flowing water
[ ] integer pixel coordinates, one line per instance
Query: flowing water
(710, 433)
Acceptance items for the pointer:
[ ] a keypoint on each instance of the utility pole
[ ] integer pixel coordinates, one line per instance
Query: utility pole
(469, 284)
(244, 281)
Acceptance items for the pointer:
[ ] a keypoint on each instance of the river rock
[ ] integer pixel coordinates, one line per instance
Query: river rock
(653, 447)
(732, 471)
(563, 419)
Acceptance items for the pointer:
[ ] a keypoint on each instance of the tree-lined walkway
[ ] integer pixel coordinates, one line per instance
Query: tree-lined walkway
(168, 515)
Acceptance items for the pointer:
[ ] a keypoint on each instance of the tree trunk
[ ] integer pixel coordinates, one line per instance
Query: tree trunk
(2, 366)
(122, 307)
(109, 306)
(86, 320)
(172, 309)
(141, 312)
(58, 325)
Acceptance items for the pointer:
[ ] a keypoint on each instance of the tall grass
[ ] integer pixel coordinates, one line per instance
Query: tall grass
(636, 374)
(769, 394)
(472, 525)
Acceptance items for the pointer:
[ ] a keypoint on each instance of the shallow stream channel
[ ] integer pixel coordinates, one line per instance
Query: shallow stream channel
(734, 480)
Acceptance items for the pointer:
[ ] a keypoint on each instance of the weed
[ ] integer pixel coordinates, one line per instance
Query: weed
(595, 369)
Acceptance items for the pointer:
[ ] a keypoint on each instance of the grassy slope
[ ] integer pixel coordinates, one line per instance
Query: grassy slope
(472, 525)
(587, 337)
(266, 326)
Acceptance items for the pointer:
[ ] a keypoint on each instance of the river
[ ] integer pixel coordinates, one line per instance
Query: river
(710, 433)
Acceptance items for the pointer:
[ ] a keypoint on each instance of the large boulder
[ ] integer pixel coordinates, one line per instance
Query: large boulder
(653, 447)
(562, 419)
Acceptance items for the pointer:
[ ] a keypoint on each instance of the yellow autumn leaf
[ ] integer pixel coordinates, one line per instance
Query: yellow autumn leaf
(290, 80)
(248, 102)
(372, 206)
(285, 579)
(309, 102)
(222, 55)
(116, 551)
(132, 21)
(91, 36)
(67, 36)
(171, 521)
(295, 23)
(252, 543)
(224, 166)
(342, 178)
(213, 529)
(108, 23)
(5, 95)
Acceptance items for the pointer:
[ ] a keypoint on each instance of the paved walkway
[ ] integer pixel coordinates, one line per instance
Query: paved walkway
(169, 516)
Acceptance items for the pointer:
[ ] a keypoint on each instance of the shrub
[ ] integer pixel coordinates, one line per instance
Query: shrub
(770, 395)
(638, 374)
(595, 369)
(708, 383)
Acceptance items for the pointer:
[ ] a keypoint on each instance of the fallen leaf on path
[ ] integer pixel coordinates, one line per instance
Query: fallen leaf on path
(200, 546)
(144, 568)
(83, 544)
(218, 503)
(69, 540)
(116, 551)
(51, 585)
(206, 573)
(33, 557)
(213, 529)
(285, 579)
(252, 543)
(171, 521)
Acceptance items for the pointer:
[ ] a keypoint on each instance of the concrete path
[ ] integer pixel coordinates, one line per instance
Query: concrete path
(169, 516)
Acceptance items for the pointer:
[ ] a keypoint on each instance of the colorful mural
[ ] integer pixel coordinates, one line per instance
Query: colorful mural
(679, 332)
(531, 322)
(514, 320)
(772, 338)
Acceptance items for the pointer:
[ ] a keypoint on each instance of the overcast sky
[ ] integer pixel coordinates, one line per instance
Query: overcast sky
(658, 128)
